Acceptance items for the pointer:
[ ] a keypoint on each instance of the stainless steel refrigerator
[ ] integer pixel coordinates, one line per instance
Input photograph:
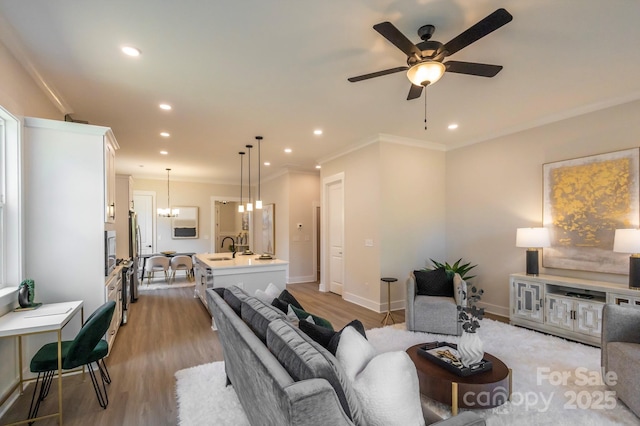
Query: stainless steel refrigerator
(134, 253)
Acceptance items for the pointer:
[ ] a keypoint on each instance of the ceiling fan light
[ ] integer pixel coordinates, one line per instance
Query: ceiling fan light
(427, 71)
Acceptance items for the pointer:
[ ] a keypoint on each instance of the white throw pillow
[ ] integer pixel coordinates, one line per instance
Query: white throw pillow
(388, 390)
(386, 384)
(354, 352)
(267, 295)
(273, 291)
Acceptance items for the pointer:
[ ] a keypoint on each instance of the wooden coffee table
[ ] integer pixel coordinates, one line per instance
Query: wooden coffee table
(483, 390)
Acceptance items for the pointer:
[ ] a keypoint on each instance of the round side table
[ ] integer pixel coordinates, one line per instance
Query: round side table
(388, 316)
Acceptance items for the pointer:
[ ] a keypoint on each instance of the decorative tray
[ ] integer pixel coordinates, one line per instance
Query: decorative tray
(446, 356)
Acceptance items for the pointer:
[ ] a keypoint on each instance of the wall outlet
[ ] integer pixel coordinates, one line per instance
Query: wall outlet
(368, 242)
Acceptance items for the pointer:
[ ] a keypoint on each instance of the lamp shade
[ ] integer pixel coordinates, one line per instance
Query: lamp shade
(627, 241)
(532, 237)
(426, 72)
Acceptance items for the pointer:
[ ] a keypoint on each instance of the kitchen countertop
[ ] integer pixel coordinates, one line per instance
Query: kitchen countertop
(240, 261)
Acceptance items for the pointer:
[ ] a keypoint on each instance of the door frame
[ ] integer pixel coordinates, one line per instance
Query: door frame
(324, 243)
(154, 242)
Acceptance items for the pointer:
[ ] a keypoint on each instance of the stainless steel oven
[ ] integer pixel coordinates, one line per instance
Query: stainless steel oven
(109, 252)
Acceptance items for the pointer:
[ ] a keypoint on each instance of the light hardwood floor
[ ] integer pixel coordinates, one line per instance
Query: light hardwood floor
(168, 330)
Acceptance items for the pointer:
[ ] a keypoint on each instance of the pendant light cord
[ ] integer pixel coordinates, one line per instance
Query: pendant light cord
(259, 163)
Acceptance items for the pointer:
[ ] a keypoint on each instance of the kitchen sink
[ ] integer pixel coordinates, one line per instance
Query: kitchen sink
(219, 258)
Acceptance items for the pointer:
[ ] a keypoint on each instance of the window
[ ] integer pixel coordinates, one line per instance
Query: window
(10, 203)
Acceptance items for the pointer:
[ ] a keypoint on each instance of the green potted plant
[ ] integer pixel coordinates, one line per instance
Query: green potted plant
(457, 267)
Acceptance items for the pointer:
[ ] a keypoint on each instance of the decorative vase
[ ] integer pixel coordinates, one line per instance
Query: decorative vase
(470, 349)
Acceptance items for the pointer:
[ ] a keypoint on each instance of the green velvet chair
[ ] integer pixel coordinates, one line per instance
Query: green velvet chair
(87, 347)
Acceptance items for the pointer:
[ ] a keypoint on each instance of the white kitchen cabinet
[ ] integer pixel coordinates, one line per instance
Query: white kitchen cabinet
(113, 291)
(110, 179)
(124, 203)
(566, 307)
(66, 196)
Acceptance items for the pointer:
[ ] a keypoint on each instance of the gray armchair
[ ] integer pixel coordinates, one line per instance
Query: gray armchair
(621, 352)
(434, 314)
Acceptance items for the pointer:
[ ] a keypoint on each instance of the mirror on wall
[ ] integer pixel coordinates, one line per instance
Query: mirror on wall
(232, 229)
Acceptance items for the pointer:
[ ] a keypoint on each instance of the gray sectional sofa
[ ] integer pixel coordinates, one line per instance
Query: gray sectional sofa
(281, 376)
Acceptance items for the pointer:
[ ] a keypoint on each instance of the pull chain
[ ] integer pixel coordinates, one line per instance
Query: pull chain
(425, 108)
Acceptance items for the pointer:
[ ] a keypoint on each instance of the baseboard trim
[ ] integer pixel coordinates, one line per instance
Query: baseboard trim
(302, 279)
(373, 305)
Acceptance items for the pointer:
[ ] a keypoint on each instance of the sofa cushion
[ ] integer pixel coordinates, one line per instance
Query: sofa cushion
(305, 359)
(435, 282)
(257, 315)
(386, 384)
(234, 296)
(328, 338)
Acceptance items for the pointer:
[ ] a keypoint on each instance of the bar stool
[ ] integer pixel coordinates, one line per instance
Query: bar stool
(388, 280)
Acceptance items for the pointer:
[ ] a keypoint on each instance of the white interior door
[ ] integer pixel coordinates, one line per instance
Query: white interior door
(336, 235)
(143, 202)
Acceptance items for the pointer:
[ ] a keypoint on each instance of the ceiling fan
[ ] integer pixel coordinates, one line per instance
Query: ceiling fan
(424, 60)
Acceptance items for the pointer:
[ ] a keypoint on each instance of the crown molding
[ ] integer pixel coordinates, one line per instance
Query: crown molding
(17, 48)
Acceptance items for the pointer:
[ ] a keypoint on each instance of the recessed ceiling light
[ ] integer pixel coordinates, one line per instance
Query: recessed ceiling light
(165, 134)
(288, 150)
(452, 126)
(317, 132)
(165, 107)
(131, 51)
(164, 152)
(266, 163)
(318, 166)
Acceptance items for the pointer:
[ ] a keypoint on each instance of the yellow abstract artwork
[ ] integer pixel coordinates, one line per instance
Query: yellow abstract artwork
(585, 201)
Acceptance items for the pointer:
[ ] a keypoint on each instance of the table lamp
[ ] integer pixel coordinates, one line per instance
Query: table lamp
(532, 239)
(628, 241)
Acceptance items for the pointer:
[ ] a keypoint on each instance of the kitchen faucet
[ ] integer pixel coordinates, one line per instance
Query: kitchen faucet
(234, 245)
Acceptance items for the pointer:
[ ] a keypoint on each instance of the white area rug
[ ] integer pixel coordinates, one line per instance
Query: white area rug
(555, 382)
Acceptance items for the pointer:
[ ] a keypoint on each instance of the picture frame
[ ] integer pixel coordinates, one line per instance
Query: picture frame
(269, 229)
(185, 225)
(584, 201)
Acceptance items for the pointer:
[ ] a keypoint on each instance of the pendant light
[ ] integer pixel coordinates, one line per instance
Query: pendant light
(259, 200)
(249, 203)
(168, 212)
(241, 206)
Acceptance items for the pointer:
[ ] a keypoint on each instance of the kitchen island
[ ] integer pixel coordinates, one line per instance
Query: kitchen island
(246, 271)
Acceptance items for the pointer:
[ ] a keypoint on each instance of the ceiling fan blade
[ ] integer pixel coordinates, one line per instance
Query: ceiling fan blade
(473, 68)
(414, 92)
(486, 26)
(377, 74)
(399, 40)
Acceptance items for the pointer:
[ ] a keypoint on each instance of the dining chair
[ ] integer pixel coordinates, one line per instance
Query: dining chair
(183, 263)
(157, 263)
(87, 347)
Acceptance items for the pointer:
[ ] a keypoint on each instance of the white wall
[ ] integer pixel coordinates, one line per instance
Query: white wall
(188, 194)
(394, 195)
(494, 187)
(21, 96)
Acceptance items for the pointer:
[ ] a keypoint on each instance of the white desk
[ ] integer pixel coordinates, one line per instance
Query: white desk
(45, 319)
